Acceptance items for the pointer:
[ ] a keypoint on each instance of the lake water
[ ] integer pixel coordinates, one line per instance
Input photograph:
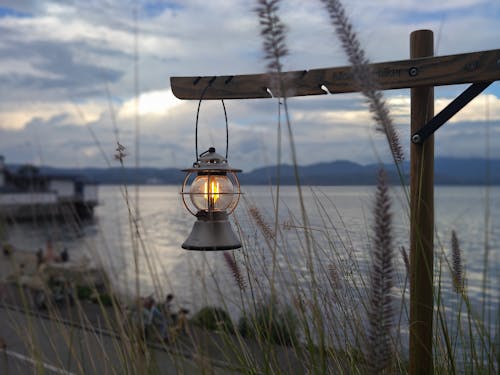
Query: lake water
(340, 220)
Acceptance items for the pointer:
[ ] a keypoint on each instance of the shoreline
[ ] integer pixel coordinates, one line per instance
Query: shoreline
(97, 318)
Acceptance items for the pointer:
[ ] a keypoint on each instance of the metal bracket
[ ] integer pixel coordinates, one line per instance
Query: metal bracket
(449, 111)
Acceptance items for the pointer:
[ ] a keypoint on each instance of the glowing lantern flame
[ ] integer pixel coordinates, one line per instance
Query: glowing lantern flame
(212, 194)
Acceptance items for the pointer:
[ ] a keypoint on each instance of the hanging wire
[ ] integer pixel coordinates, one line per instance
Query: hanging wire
(197, 120)
(227, 127)
(197, 117)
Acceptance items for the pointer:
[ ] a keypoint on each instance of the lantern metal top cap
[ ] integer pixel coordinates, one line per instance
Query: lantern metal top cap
(210, 160)
(210, 156)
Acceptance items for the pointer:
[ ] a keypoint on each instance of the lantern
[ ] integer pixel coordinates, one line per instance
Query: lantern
(211, 192)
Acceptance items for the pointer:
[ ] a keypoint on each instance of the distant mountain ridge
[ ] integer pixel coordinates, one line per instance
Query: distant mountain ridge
(448, 171)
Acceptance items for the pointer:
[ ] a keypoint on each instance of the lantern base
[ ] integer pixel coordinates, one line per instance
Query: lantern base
(212, 232)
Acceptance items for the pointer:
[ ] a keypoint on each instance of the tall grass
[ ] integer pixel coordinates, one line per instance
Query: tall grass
(381, 314)
(363, 76)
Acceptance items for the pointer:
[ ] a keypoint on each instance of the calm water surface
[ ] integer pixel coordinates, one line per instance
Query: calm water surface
(340, 218)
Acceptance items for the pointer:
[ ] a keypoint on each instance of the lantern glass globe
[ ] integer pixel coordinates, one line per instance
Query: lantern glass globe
(212, 192)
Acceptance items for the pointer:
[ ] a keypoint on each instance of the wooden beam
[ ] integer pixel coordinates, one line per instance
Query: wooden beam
(416, 72)
(422, 219)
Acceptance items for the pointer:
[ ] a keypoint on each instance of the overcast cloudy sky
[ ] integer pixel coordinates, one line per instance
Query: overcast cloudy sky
(67, 76)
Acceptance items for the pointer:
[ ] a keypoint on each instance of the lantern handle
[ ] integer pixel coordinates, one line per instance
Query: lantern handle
(197, 156)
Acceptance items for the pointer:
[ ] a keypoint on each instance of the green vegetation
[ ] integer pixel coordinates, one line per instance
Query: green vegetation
(271, 323)
(214, 319)
(83, 292)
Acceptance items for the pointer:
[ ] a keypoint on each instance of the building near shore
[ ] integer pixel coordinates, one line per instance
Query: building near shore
(25, 194)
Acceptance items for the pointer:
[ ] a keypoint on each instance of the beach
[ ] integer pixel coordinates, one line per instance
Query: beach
(90, 337)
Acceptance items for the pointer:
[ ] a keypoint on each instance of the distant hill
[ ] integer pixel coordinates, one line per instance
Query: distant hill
(143, 175)
(448, 171)
(334, 173)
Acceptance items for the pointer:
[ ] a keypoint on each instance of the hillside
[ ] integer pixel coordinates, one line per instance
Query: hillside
(448, 171)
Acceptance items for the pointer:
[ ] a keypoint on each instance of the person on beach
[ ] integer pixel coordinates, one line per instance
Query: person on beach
(157, 320)
(167, 308)
(182, 322)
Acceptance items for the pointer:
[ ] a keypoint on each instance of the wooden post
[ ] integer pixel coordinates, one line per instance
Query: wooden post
(422, 218)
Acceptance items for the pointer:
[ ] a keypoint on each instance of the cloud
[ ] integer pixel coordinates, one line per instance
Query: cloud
(429, 5)
(483, 108)
(25, 6)
(59, 60)
(18, 118)
(152, 103)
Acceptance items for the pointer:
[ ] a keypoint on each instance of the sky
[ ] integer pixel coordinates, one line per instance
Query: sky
(79, 76)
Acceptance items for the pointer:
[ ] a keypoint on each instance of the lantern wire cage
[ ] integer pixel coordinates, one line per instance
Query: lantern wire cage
(212, 167)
